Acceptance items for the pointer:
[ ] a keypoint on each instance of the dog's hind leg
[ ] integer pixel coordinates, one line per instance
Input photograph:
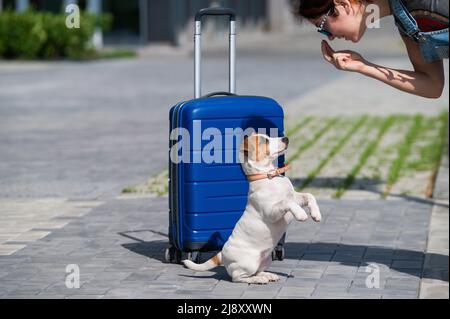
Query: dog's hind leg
(253, 280)
(268, 275)
(261, 278)
(246, 273)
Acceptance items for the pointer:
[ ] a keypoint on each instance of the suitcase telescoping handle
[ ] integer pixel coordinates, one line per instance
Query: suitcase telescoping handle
(198, 47)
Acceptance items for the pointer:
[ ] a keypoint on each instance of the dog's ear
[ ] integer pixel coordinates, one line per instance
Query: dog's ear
(253, 147)
(245, 147)
(267, 147)
(248, 147)
(257, 145)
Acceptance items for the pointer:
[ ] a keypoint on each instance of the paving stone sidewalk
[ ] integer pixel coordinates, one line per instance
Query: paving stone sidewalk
(119, 249)
(435, 274)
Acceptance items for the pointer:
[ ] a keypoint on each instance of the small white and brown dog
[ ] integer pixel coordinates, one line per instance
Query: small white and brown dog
(272, 205)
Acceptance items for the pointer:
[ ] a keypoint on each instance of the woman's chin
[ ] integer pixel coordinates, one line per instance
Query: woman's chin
(353, 39)
(356, 39)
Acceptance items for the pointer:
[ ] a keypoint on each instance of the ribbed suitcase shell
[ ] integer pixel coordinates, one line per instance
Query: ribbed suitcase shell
(207, 200)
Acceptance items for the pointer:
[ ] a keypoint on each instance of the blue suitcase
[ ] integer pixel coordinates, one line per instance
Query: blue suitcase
(208, 196)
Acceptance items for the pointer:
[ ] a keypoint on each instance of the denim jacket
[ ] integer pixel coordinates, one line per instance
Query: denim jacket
(433, 45)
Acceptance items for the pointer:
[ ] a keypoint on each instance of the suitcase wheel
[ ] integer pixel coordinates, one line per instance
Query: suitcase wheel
(278, 253)
(173, 255)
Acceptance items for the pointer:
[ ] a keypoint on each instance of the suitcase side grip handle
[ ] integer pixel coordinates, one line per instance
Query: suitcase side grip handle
(216, 12)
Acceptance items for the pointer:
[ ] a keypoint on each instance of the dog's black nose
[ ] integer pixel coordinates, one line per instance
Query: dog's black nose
(285, 140)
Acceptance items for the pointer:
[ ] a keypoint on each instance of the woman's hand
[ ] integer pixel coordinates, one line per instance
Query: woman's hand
(343, 60)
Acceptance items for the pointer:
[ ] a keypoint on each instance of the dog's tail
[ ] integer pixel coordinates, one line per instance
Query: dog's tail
(210, 264)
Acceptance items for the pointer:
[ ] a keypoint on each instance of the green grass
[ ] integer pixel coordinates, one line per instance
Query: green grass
(291, 132)
(373, 123)
(329, 124)
(117, 54)
(430, 153)
(445, 130)
(340, 144)
(129, 190)
(366, 154)
(403, 152)
(157, 185)
(419, 145)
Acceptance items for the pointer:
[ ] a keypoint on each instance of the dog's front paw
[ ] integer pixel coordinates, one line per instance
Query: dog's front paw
(313, 208)
(299, 213)
(316, 216)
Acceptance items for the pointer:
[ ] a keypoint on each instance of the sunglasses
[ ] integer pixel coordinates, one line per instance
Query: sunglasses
(321, 28)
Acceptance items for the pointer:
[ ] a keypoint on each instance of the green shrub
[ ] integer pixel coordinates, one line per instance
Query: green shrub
(40, 35)
(22, 35)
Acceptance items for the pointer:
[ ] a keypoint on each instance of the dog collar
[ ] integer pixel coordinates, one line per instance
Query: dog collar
(269, 175)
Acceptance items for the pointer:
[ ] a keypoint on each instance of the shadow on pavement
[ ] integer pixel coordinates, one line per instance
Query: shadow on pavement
(336, 182)
(404, 261)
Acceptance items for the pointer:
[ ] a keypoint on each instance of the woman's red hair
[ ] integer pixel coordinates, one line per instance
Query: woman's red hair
(313, 9)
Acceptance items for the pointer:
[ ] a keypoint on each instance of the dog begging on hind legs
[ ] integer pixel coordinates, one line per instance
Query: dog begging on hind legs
(272, 205)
